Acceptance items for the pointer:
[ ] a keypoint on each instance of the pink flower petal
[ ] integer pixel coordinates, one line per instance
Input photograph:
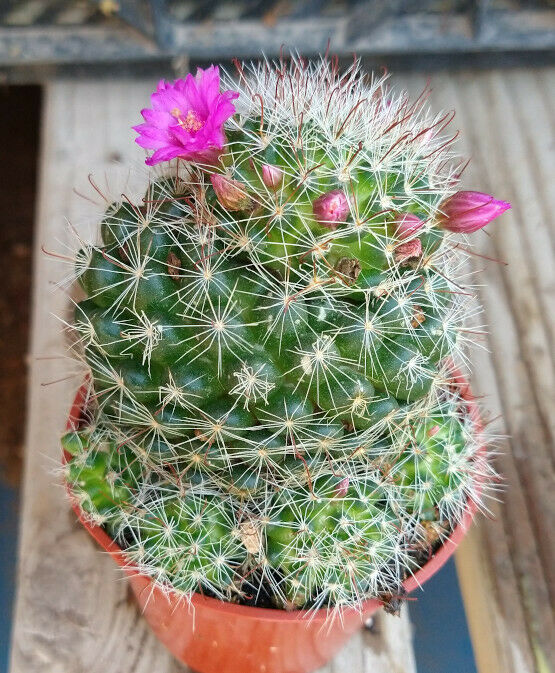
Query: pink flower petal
(186, 118)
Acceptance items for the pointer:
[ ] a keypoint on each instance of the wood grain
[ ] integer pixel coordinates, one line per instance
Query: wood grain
(506, 565)
(73, 612)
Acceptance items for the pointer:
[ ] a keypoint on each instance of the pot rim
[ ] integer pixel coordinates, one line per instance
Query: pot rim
(414, 581)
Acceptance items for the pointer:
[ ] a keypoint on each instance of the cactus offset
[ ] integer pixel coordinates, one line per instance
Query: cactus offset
(271, 393)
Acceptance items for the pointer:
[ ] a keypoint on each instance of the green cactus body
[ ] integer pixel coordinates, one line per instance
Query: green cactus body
(273, 387)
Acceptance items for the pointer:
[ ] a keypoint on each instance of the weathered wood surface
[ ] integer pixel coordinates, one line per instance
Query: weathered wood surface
(73, 613)
(506, 565)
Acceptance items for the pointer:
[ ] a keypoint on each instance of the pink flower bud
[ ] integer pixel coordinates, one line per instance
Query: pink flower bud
(272, 176)
(409, 250)
(331, 208)
(342, 488)
(466, 212)
(231, 193)
(433, 431)
(408, 225)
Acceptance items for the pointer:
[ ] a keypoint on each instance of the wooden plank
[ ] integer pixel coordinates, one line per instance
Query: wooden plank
(522, 357)
(506, 567)
(73, 612)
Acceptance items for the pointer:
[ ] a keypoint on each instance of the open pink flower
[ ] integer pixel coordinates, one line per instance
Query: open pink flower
(187, 118)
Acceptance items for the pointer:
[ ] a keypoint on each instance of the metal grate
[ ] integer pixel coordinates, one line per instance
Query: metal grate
(54, 32)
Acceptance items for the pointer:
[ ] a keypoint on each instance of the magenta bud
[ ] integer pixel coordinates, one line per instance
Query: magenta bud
(342, 488)
(272, 176)
(231, 193)
(331, 208)
(408, 251)
(466, 212)
(432, 432)
(408, 225)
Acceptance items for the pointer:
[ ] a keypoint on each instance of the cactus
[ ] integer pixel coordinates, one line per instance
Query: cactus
(269, 338)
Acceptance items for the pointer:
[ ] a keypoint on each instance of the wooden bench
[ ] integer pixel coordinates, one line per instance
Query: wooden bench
(74, 613)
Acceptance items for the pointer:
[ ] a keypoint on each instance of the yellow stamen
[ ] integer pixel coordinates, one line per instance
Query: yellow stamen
(191, 121)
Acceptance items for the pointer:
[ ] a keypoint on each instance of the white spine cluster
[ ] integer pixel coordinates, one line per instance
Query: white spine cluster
(236, 360)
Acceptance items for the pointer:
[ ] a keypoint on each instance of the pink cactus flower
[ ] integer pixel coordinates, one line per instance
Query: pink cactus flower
(466, 212)
(187, 118)
(272, 176)
(408, 251)
(331, 208)
(231, 194)
(408, 225)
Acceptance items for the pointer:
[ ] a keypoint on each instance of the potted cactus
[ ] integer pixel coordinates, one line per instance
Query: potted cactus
(274, 435)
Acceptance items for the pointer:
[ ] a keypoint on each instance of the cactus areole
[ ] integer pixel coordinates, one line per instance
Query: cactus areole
(274, 417)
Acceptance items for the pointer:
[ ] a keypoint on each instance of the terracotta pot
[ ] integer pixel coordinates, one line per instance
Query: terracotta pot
(211, 636)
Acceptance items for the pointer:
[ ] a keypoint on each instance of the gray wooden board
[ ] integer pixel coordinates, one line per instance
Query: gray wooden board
(506, 564)
(73, 613)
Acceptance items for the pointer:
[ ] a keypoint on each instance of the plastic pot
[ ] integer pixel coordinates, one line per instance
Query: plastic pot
(211, 636)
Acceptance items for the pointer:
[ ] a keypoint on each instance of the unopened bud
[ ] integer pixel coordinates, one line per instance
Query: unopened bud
(466, 212)
(342, 488)
(231, 193)
(331, 208)
(272, 176)
(408, 251)
(408, 225)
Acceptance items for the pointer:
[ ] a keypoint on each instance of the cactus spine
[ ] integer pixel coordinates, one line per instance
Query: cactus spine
(269, 347)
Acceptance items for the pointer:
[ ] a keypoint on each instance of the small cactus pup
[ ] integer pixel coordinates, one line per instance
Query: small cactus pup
(272, 337)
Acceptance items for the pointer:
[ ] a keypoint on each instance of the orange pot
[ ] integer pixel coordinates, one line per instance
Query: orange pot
(211, 636)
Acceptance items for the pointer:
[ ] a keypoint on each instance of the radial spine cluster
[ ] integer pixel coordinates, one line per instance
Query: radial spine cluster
(271, 408)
